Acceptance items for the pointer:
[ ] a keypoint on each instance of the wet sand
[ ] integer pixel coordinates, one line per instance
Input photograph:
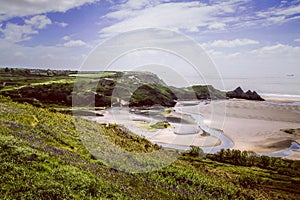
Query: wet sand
(253, 126)
(183, 130)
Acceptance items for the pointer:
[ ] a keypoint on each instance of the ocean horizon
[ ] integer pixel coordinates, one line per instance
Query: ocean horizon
(268, 86)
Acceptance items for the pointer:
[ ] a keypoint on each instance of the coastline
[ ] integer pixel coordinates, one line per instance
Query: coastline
(250, 125)
(180, 135)
(255, 126)
(282, 98)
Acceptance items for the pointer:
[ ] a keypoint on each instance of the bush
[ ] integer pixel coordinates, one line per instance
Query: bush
(195, 151)
(248, 181)
(160, 125)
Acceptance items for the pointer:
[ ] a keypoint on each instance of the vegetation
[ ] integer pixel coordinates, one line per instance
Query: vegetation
(42, 156)
(198, 92)
(37, 87)
(295, 131)
(244, 158)
(44, 88)
(151, 94)
(195, 151)
(160, 125)
(208, 92)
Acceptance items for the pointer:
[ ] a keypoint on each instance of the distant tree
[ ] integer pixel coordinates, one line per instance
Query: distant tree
(220, 155)
(54, 73)
(49, 73)
(7, 70)
(264, 161)
(196, 151)
(26, 72)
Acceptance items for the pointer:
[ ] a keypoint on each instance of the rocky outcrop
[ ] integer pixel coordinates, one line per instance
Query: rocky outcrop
(198, 92)
(238, 93)
(203, 92)
(150, 95)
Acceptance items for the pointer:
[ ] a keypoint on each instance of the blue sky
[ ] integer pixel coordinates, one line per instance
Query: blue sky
(240, 36)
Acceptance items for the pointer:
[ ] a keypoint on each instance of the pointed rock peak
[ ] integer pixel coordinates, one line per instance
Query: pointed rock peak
(249, 92)
(238, 90)
(239, 94)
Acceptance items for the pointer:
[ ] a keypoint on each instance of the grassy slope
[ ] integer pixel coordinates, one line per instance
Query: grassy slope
(17, 81)
(139, 88)
(42, 157)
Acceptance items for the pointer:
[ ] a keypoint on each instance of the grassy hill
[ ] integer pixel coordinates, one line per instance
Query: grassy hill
(43, 157)
(103, 89)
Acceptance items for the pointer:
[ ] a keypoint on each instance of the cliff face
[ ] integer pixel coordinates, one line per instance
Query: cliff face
(238, 93)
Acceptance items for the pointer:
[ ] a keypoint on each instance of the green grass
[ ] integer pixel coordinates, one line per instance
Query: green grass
(94, 75)
(42, 156)
(160, 125)
(16, 81)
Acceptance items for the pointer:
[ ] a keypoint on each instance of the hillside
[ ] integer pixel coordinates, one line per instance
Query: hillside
(42, 157)
(102, 89)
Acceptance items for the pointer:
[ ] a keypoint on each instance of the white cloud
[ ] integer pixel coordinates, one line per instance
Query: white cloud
(38, 21)
(276, 15)
(66, 37)
(138, 4)
(288, 11)
(19, 54)
(213, 52)
(69, 42)
(183, 16)
(267, 60)
(75, 43)
(231, 43)
(194, 16)
(217, 25)
(58, 57)
(21, 8)
(278, 49)
(188, 16)
(62, 24)
(17, 33)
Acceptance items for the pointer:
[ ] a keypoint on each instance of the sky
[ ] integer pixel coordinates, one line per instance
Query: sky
(242, 37)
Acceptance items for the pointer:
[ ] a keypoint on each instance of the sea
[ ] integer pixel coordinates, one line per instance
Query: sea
(282, 86)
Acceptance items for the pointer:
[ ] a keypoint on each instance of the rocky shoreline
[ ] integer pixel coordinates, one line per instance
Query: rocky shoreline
(238, 93)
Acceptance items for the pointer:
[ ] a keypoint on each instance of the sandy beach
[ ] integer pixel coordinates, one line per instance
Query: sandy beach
(253, 126)
(183, 131)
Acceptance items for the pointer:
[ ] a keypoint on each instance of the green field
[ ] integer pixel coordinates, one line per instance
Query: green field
(94, 75)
